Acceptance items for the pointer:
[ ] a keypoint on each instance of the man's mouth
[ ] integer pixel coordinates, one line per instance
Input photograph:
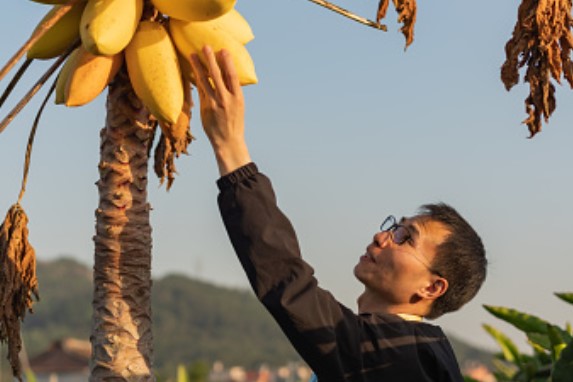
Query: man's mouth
(367, 257)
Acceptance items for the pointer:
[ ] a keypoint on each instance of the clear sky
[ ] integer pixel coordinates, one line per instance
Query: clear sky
(350, 128)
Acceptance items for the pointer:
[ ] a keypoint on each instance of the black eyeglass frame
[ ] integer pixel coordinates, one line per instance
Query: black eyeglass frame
(390, 225)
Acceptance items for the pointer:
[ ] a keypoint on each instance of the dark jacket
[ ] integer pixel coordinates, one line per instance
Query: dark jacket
(336, 343)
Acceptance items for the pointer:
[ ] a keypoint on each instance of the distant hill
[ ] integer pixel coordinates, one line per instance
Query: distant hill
(192, 320)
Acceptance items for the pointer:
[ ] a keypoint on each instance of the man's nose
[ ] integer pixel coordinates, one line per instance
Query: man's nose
(382, 238)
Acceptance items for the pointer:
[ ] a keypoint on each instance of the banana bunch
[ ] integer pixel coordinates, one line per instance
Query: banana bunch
(155, 44)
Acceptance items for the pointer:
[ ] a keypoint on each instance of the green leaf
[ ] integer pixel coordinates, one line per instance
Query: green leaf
(563, 369)
(567, 297)
(534, 369)
(540, 356)
(30, 376)
(522, 321)
(182, 374)
(563, 335)
(539, 341)
(508, 348)
(558, 343)
(500, 377)
(504, 371)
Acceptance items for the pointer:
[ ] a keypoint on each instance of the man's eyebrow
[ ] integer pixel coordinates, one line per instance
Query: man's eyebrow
(410, 227)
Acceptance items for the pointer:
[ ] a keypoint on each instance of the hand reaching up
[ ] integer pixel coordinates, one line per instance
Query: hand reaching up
(222, 108)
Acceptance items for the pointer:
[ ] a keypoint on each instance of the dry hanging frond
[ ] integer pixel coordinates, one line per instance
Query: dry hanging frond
(179, 132)
(17, 281)
(407, 10)
(175, 139)
(542, 41)
(165, 153)
(164, 164)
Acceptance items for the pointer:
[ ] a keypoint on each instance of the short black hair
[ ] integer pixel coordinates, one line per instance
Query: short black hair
(460, 259)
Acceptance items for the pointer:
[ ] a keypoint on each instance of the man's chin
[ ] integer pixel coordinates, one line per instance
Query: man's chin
(359, 276)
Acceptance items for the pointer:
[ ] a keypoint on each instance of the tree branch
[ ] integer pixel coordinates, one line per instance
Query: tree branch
(350, 15)
(38, 33)
(37, 86)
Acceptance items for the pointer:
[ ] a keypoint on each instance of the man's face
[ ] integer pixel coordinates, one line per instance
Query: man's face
(394, 271)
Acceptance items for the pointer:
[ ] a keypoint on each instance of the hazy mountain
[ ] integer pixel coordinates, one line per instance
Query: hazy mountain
(193, 320)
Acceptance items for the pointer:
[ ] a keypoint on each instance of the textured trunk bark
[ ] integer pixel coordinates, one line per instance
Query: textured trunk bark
(121, 333)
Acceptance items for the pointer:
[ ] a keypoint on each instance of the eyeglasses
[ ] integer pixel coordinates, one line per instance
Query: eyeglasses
(401, 234)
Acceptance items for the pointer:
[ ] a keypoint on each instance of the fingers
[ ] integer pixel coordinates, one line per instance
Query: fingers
(201, 77)
(231, 77)
(214, 70)
(220, 69)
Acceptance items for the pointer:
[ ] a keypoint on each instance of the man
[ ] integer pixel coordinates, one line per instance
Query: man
(423, 266)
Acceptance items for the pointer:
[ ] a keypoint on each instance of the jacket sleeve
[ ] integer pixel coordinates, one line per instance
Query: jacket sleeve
(318, 326)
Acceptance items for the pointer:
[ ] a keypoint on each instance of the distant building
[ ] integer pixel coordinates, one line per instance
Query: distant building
(66, 360)
(479, 372)
(292, 372)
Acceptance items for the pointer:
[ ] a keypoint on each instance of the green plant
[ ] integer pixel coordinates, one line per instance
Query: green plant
(552, 347)
(199, 371)
(182, 375)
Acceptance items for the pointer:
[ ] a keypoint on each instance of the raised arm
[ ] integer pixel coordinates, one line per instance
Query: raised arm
(262, 236)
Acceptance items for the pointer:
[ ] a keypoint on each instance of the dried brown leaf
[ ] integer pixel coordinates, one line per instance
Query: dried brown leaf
(382, 9)
(18, 282)
(407, 10)
(164, 164)
(174, 141)
(543, 42)
(179, 133)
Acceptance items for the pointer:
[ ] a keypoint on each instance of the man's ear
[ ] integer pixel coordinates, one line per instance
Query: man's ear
(435, 289)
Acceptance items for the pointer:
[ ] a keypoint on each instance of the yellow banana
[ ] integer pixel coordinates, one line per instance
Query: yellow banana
(190, 37)
(194, 10)
(51, 1)
(179, 133)
(63, 78)
(235, 24)
(60, 36)
(154, 71)
(107, 26)
(89, 76)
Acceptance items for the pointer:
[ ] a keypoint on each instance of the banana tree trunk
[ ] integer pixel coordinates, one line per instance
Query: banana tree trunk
(121, 332)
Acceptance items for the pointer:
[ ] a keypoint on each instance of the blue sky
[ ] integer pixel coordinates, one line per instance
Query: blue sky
(350, 128)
